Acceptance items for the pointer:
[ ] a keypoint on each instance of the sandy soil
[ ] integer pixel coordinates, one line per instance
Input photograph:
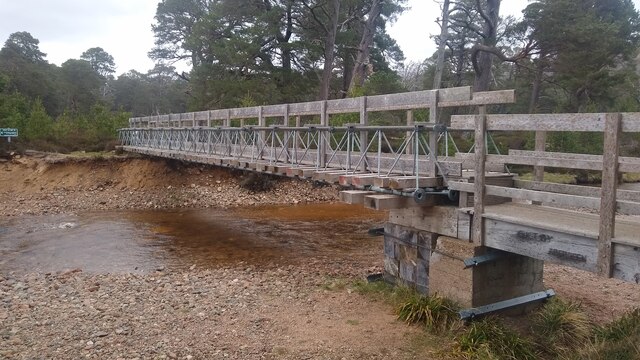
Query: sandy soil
(59, 184)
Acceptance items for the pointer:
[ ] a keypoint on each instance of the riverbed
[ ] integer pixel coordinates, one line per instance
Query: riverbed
(139, 241)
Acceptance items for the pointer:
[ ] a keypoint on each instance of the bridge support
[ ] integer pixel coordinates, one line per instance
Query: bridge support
(435, 264)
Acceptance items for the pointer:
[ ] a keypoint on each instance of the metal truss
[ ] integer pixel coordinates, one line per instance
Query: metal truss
(383, 150)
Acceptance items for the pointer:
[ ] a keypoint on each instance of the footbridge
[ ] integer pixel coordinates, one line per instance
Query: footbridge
(460, 223)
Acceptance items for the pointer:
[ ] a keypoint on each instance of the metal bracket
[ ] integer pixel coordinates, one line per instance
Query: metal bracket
(483, 259)
(471, 313)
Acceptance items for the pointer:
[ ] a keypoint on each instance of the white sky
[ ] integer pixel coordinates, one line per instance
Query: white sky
(66, 28)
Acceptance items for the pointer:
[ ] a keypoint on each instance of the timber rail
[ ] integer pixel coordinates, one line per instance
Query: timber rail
(407, 168)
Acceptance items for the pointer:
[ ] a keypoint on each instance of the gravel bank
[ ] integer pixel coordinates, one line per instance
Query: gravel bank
(236, 313)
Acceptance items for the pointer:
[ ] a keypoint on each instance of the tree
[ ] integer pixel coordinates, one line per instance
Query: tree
(330, 28)
(22, 62)
(81, 83)
(100, 61)
(442, 42)
(272, 50)
(582, 46)
(24, 45)
(175, 23)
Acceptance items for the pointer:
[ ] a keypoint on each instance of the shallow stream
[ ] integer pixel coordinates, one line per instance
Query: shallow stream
(142, 241)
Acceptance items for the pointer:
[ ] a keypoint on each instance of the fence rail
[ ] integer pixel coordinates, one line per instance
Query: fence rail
(607, 201)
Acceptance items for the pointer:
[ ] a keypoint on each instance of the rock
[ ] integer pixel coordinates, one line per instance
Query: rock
(99, 334)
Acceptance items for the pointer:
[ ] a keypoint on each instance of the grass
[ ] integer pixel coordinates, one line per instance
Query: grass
(619, 340)
(490, 339)
(334, 284)
(436, 313)
(631, 177)
(382, 291)
(557, 178)
(561, 327)
(558, 330)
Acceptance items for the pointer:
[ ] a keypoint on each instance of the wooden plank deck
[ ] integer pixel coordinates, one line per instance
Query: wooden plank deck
(562, 220)
(562, 236)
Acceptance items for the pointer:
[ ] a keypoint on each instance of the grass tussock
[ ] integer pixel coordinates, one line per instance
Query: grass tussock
(561, 327)
(619, 340)
(491, 339)
(436, 313)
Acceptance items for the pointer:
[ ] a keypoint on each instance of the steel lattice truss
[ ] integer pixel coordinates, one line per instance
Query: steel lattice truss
(382, 150)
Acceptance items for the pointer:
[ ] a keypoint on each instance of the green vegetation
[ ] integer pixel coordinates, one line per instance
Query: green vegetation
(558, 330)
(618, 340)
(561, 327)
(490, 339)
(558, 178)
(274, 51)
(436, 313)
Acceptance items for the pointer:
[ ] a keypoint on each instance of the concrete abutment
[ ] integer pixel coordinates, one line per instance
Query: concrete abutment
(434, 264)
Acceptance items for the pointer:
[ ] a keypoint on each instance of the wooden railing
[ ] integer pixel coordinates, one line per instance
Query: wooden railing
(428, 99)
(607, 200)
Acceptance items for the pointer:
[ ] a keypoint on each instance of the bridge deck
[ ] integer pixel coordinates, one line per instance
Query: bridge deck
(562, 236)
(567, 221)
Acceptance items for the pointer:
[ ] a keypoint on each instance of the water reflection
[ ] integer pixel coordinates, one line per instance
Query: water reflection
(133, 241)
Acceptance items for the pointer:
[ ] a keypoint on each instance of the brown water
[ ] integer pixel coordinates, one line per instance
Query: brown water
(141, 241)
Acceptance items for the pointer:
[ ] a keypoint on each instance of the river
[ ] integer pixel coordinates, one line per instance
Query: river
(143, 241)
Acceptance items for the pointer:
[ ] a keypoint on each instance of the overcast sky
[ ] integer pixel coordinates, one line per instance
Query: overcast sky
(66, 28)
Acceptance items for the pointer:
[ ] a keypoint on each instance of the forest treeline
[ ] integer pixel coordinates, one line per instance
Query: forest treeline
(561, 56)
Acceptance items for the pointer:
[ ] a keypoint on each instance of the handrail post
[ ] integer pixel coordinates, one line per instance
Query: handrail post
(262, 122)
(364, 138)
(410, 122)
(479, 178)
(322, 146)
(286, 138)
(541, 145)
(432, 169)
(608, 203)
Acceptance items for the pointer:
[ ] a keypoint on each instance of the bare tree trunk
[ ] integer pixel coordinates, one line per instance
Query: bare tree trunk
(347, 75)
(283, 39)
(485, 59)
(444, 34)
(364, 49)
(329, 51)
